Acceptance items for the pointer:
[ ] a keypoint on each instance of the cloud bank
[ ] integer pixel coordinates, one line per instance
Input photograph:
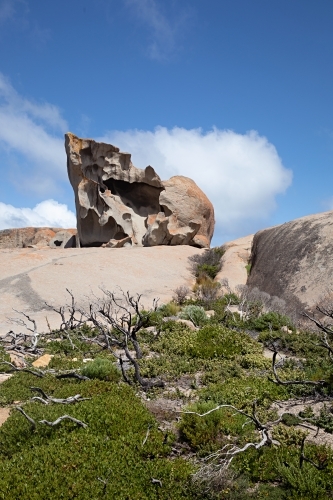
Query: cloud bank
(31, 135)
(241, 174)
(48, 213)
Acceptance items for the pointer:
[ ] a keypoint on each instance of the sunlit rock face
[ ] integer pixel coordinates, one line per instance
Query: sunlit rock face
(119, 205)
(294, 261)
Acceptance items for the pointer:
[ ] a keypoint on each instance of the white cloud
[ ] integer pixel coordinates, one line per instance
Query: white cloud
(164, 32)
(48, 213)
(241, 174)
(32, 130)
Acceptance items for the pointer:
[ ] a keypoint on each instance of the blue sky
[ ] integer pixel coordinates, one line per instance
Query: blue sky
(236, 94)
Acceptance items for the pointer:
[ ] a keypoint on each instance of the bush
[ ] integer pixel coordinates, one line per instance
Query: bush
(267, 321)
(205, 289)
(287, 435)
(65, 462)
(209, 433)
(102, 369)
(196, 314)
(169, 309)
(216, 341)
(207, 263)
(231, 298)
(241, 392)
(180, 295)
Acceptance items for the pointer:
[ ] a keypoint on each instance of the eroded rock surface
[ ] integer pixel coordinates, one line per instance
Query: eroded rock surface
(37, 237)
(119, 205)
(294, 261)
(235, 261)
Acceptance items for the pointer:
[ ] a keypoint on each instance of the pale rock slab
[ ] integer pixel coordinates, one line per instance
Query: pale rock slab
(29, 277)
(235, 260)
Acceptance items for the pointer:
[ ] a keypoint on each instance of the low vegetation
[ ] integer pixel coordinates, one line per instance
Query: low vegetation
(170, 402)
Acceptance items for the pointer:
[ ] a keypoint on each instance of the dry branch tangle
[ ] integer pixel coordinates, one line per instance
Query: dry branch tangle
(118, 204)
(51, 424)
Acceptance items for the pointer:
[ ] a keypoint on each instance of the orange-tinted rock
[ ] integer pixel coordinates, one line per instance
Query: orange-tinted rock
(121, 204)
(37, 237)
(183, 198)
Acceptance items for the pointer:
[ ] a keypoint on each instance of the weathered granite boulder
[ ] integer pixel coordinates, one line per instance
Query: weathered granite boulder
(38, 237)
(294, 261)
(118, 204)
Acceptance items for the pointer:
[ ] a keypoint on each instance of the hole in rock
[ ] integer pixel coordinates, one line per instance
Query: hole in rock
(141, 198)
(58, 243)
(93, 234)
(120, 235)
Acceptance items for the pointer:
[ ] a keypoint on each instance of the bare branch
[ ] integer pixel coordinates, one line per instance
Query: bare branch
(303, 458)
(51, 424)
(31, 420)
(157, 482)
(72, 322)
(72, 375)
(61, 419)
(219, 461)
(147, 435)
(277, 380)
(118, 320)
(49, 399)
(14, 368)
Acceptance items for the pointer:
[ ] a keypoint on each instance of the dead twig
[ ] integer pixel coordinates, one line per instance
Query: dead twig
(72, 375)
(49, 399)
(14, 368)
(51, 424)
(219, 461)
(278, 381)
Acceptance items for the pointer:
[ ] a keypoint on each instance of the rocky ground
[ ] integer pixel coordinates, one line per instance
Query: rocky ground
(30, 277)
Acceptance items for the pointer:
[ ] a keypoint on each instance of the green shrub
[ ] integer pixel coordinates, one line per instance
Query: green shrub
(196, 314)
(66, 461)
(207, 263)
(241, 392)
(248, 268)
(209, 433)
(289, 436)
(306, 482)
(103, 369)
(4, 356)
(324, 420)
(169, 309)
(267, 321)
(255, 361)
(231, 298)
(216, 341)
(281, 464)
(290, 420)
(208, 270)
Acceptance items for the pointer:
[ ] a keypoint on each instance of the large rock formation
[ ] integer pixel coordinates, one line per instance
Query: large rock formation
(119, 205)
(294, 261)
(38, 237)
